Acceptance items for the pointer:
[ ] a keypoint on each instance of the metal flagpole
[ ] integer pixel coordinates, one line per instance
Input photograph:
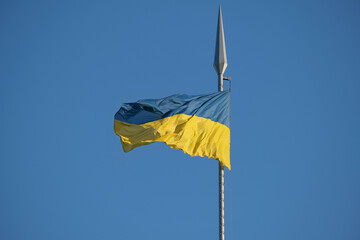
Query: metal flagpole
(220, 64)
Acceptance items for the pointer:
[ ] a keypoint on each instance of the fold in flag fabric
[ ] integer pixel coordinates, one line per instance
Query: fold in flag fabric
(199, 125)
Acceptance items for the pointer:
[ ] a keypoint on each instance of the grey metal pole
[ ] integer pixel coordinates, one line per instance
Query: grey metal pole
(220, 64)
(221, 202)
(221, 183)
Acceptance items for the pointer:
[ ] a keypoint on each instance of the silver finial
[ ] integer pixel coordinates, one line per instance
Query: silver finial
(220, 61)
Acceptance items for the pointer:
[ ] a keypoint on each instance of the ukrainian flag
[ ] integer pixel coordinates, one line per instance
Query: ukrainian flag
(199, 125)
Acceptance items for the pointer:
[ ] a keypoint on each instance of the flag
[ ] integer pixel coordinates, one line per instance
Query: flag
(199, 124)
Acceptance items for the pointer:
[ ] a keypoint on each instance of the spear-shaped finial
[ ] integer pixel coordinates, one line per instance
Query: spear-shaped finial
(220, 61)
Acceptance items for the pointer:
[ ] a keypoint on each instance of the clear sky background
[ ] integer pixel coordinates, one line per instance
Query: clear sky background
(66, 67)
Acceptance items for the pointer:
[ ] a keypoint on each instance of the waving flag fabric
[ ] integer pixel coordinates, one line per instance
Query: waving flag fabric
(199, 125)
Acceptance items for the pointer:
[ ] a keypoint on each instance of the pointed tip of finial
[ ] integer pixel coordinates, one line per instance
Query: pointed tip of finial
(220, 61)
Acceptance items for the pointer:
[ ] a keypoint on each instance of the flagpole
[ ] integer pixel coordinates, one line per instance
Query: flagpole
(221, 183)
(220, 64)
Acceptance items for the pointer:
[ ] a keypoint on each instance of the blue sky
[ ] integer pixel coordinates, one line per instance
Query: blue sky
(66, 67)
